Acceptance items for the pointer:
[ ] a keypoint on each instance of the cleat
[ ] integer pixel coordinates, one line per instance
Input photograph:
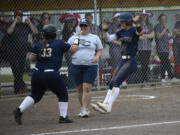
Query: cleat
(17, 116)
(105, 107)
(65, 120)
(97, 108)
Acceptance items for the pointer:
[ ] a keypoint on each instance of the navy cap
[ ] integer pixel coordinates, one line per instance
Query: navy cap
(84, 21)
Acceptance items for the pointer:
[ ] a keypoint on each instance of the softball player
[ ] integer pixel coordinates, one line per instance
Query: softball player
(128, 37)
(48, 55)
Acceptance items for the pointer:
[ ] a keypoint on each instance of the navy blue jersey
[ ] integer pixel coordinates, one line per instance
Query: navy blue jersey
(129, 40)
(51, 57)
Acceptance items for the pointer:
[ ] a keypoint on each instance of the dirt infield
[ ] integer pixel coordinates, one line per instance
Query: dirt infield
(152, 111)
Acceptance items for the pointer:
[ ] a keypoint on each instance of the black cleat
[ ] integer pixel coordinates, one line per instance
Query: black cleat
(65, 120)
(17, 116)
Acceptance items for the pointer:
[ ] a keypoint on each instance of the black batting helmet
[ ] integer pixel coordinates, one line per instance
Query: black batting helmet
(49, 31)
(126, 17)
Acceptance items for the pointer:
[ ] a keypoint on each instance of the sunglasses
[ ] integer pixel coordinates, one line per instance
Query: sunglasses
(83, 25)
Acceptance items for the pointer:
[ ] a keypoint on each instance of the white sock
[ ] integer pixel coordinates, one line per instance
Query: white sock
(27, 102)
(107, 96)
(114, 95)
(63, 107)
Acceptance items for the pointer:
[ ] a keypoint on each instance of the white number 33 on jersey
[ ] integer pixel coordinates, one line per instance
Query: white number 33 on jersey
(47, 52)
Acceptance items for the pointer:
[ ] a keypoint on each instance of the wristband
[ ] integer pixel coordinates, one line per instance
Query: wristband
(76, 41)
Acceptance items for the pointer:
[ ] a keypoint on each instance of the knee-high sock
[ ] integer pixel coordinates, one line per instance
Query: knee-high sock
(114, 95)
(27, 102)
(63, 108)
(107, 96)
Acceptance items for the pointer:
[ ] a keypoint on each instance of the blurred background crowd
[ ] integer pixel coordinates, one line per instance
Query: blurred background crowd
(158, 47)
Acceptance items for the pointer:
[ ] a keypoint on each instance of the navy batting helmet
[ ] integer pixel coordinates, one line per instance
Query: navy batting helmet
(49, 31)
(126, 17)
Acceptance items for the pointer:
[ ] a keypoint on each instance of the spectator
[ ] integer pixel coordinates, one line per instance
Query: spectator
(176, 46)
(93, 27)
(162, 36)
(18, 47)
(145, 45)
(69, 29)
(44, 20)
(84, 65)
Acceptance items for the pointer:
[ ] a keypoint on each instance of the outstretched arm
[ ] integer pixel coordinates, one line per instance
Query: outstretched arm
(107, 36)
(75, 45)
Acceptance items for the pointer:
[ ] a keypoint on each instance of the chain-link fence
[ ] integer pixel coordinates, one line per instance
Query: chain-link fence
(158, 49)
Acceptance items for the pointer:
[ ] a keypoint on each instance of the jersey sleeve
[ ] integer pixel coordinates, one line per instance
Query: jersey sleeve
(118, 34)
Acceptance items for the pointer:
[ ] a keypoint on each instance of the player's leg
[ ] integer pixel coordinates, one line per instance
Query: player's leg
(58, 87)
(95, 106)
(36, 95)
(111, 83)
(127, 69)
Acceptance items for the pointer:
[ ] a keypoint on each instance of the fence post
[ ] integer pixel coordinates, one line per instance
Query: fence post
(95, 21)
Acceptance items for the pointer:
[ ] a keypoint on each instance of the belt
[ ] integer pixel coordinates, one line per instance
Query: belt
(46, 70)
(126, 57)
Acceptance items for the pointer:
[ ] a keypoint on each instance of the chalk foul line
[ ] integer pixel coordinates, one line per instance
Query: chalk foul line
(108, 128)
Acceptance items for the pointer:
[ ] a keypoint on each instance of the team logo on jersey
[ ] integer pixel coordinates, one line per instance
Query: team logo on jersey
(84, 42)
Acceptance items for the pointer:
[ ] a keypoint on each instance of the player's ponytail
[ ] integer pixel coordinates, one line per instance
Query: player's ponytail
(44, 43)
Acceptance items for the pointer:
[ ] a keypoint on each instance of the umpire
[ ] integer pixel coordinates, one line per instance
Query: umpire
(48, 55)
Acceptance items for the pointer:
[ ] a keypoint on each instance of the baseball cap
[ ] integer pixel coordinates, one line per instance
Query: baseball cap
(18, 12)
(84, 21)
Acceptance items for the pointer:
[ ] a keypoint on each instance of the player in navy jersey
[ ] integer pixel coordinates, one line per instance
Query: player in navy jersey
(127, 38)
(48, 55)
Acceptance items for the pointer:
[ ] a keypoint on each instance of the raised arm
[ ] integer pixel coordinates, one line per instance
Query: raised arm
(33, 28)
(10, 30)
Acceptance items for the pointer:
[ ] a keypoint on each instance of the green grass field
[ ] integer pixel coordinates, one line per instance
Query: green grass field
(10, 78)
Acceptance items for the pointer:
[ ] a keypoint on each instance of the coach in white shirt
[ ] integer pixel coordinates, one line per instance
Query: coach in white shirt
(85, 64)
